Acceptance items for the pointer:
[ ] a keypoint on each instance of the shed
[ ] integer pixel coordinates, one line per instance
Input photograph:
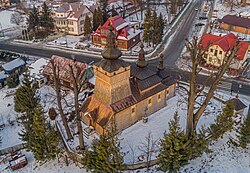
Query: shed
(13, 66)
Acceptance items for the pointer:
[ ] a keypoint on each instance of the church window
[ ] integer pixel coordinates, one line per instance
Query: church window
(150, 102)
(211, 50)
(159, 97)
(133, 110)
(220, 52)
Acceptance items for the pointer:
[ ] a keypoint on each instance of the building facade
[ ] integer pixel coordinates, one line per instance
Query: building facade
(123, 92)
(235, 23)
(126, 36)
(218, 47)
(4, 3)
(69, 17)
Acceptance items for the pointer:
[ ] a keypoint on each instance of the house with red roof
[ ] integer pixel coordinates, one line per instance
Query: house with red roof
(235, 23)
(63, 66)
(126, 36)
(218, 47)
(69, 17)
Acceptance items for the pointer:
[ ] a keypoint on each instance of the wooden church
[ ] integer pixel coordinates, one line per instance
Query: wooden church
(124, 92)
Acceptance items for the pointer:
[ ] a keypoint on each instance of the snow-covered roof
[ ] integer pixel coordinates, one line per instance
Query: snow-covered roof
(131, 34)
(2, 75)
(37, 67)
(123, 25)
(17, 63)
(92, 80)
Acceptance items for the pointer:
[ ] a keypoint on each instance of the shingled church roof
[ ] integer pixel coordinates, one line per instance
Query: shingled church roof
(110, 54)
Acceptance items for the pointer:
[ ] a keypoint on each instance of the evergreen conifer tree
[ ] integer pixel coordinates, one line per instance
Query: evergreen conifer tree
(46, 18)
(33, 20)
(174, 151)
(95, 20)
(224, 122)
(244, 133)
(43, 140)
(100, 20)
(104, 9)
(161, 23)
(155, 32)
(13, 80)
(147, 26)
(113, 12)
(87, 26)
(25, 101)
(104, 156)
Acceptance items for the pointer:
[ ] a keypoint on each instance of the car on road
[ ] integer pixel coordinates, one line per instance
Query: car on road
(196, 9)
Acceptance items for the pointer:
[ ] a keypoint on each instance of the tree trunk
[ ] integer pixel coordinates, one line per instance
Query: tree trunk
(59, 97)
(76, 90)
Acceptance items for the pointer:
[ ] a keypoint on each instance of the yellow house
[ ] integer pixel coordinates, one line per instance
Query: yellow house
(69, 17)
(4, 3)
(217, 48)
(123, 92)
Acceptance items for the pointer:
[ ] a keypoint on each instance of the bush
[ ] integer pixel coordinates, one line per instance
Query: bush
(13, 80)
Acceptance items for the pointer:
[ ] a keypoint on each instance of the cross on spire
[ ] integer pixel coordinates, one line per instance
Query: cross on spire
(141, 61)
(161, 63)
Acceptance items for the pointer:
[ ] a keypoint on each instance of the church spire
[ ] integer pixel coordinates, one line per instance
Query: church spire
(141, 61)
(161, 64)
(111, 52)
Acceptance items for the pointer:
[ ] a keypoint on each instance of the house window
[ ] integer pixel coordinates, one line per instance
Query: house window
(167, 91)
(150, 102)
(211, 50)
(216, 53)
(81, 22)
(133, 110)
(70, 23)
(71, 29)
(220, 52)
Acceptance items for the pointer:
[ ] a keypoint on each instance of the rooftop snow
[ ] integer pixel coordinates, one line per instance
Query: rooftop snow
(3, 75)
(37, 67)
(13, 64)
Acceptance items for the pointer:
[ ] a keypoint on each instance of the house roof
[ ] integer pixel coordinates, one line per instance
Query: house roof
(125, 32)
(226, 43)
(17, 63)
(3, 76)
(236, 21)
(64, 71)
(36, 68)
(97, 111)
(238, 105)
(75, 10)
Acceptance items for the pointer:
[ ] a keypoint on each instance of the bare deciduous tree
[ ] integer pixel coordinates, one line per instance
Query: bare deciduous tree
(148, 147)
(77, 87)
(16, 18)
(55, 73)
(197, 53)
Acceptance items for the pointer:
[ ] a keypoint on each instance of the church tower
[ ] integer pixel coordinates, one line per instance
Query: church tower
(112, 74)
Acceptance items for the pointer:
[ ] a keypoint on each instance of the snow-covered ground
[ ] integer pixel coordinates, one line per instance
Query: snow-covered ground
(10, 30)
(222, 158)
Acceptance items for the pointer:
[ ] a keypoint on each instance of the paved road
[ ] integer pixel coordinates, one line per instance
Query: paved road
(46, 53)
(176, 45)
